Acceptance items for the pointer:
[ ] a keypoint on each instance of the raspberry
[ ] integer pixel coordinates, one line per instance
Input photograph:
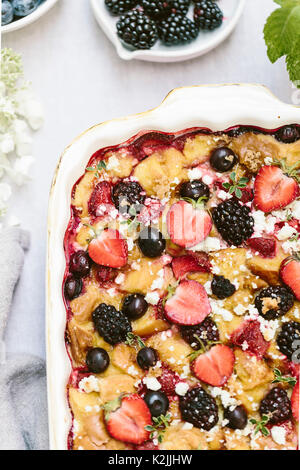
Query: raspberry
(265, 246)
(249, 334)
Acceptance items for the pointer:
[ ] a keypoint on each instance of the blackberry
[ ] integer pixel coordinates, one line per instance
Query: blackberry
(199, 408)
(177, 29)
(194, 190)
(160, 9)
(112, 325)
(233, 221)
(222, 287)
(207, 331)
(118, 7)
(137, 30)
(273, 302)
(156, 9)
(127, 194)
(180, 6)
(208, 15)
(288, 340)
(288, 134)
(276, 405)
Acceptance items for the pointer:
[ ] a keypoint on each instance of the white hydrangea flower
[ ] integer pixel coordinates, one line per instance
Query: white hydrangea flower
(20, 113)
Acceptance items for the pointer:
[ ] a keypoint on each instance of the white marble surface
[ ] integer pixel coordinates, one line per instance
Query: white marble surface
(81, 81)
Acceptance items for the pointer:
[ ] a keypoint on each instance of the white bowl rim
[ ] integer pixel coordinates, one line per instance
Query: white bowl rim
(169, 55)
(26, 20)
(183, 108)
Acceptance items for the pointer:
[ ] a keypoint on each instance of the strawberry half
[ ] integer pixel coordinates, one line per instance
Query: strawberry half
(295, 401)
(273, 189)
(187, 224)
(266, 247)
(126, 419)
(189, 305)
(101, 196)
(215, 366)
(186, 264)
(249, 334)
(109, 249)
(290, 273)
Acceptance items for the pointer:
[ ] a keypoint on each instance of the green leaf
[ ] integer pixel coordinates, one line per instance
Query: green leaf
(279, 378)
(238, 193)
(282, 35)
(132, 340)
(293, 61)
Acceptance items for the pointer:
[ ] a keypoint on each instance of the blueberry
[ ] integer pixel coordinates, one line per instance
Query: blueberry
(73, 287)
(223, 159)
(134, 306)
(146, 358)
(157, 402)
(80, 264)
(288, 134)
(151, 242)
(237, 418)
(7, 12)
(194, 190)
(24, 7)
(97, 360)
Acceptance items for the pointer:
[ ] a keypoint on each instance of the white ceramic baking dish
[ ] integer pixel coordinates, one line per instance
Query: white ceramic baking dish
(217, 107)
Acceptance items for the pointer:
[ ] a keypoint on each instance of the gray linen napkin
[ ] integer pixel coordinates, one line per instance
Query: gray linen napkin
(23, 403)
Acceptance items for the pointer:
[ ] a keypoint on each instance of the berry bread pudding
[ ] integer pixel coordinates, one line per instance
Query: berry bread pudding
(182, 291)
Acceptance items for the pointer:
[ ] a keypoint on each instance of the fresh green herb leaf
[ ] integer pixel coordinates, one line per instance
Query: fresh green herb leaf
(132, 340)
(98, 168)
(279, 378)
(160, 425)
(261, 425)
(282, 36)
(236, 186)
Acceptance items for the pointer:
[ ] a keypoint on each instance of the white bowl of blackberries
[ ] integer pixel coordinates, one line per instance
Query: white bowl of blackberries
(166, 30)
(15, 14)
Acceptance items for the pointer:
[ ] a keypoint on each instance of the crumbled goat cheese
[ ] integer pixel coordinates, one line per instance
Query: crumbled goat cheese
(225, 397)
(158, 283)
(152, 383)
(113, 163)
(240, 309)
(278, 435)
(286, 232)
(188, 426)
(181, 388)
(208, 245)
(217, 309)
(152, 298)
(120, 278)
(89, 384)
(195, 173)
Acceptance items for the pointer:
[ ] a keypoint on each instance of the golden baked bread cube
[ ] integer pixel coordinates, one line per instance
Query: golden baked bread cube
(149, 324)
(171, 348)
